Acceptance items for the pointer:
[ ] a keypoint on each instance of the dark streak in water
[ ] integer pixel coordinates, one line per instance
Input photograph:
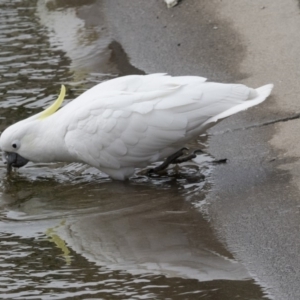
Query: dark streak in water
(55, 4)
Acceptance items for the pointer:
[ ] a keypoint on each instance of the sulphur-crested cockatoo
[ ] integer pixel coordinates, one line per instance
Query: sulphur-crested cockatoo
(127, 122)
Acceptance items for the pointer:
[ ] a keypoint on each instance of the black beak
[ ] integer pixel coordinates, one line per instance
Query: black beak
(13, 159)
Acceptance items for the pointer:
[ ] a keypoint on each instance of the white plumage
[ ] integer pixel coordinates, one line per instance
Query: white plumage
(129, 122)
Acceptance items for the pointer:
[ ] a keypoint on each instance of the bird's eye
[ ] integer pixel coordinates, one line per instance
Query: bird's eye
(15, 144)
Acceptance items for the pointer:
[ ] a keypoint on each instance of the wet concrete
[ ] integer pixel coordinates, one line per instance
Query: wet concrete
(265, 199)
(254, 203)
(187, 39)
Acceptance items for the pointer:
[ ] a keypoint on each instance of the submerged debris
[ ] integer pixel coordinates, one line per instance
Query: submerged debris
(171, 3)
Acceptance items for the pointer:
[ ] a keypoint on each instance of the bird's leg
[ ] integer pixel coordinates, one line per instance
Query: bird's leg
(194, 155)
(169, 160)
(188, 157)
(178, 158)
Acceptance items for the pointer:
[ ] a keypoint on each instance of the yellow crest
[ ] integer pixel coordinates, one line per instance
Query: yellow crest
(55, 106)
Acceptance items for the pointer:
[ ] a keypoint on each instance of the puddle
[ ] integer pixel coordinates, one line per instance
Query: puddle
(112, 240)
(68, 231)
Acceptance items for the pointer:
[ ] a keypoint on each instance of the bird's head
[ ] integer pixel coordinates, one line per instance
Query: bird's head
(18, 141)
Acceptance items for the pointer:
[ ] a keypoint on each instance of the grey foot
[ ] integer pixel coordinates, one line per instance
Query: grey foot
(172, 159)
(178, 158)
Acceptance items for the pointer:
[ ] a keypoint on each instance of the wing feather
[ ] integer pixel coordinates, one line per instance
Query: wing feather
(117, 148)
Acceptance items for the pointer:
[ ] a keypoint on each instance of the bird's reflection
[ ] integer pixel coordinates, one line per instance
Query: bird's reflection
(146, 225)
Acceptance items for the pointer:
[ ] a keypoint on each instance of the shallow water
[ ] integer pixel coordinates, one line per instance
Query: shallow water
(68, 231)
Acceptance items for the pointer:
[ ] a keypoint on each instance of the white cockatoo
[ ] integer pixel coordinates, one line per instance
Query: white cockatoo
(126, 123)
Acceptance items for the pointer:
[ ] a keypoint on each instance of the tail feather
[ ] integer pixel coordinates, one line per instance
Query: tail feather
(261, 94)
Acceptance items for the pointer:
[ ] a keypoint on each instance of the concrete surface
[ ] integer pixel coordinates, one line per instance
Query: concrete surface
(254, 204)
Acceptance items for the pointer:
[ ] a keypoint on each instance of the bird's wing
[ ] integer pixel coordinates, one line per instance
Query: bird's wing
(118, 136)
(137, 84)
(131, 123)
